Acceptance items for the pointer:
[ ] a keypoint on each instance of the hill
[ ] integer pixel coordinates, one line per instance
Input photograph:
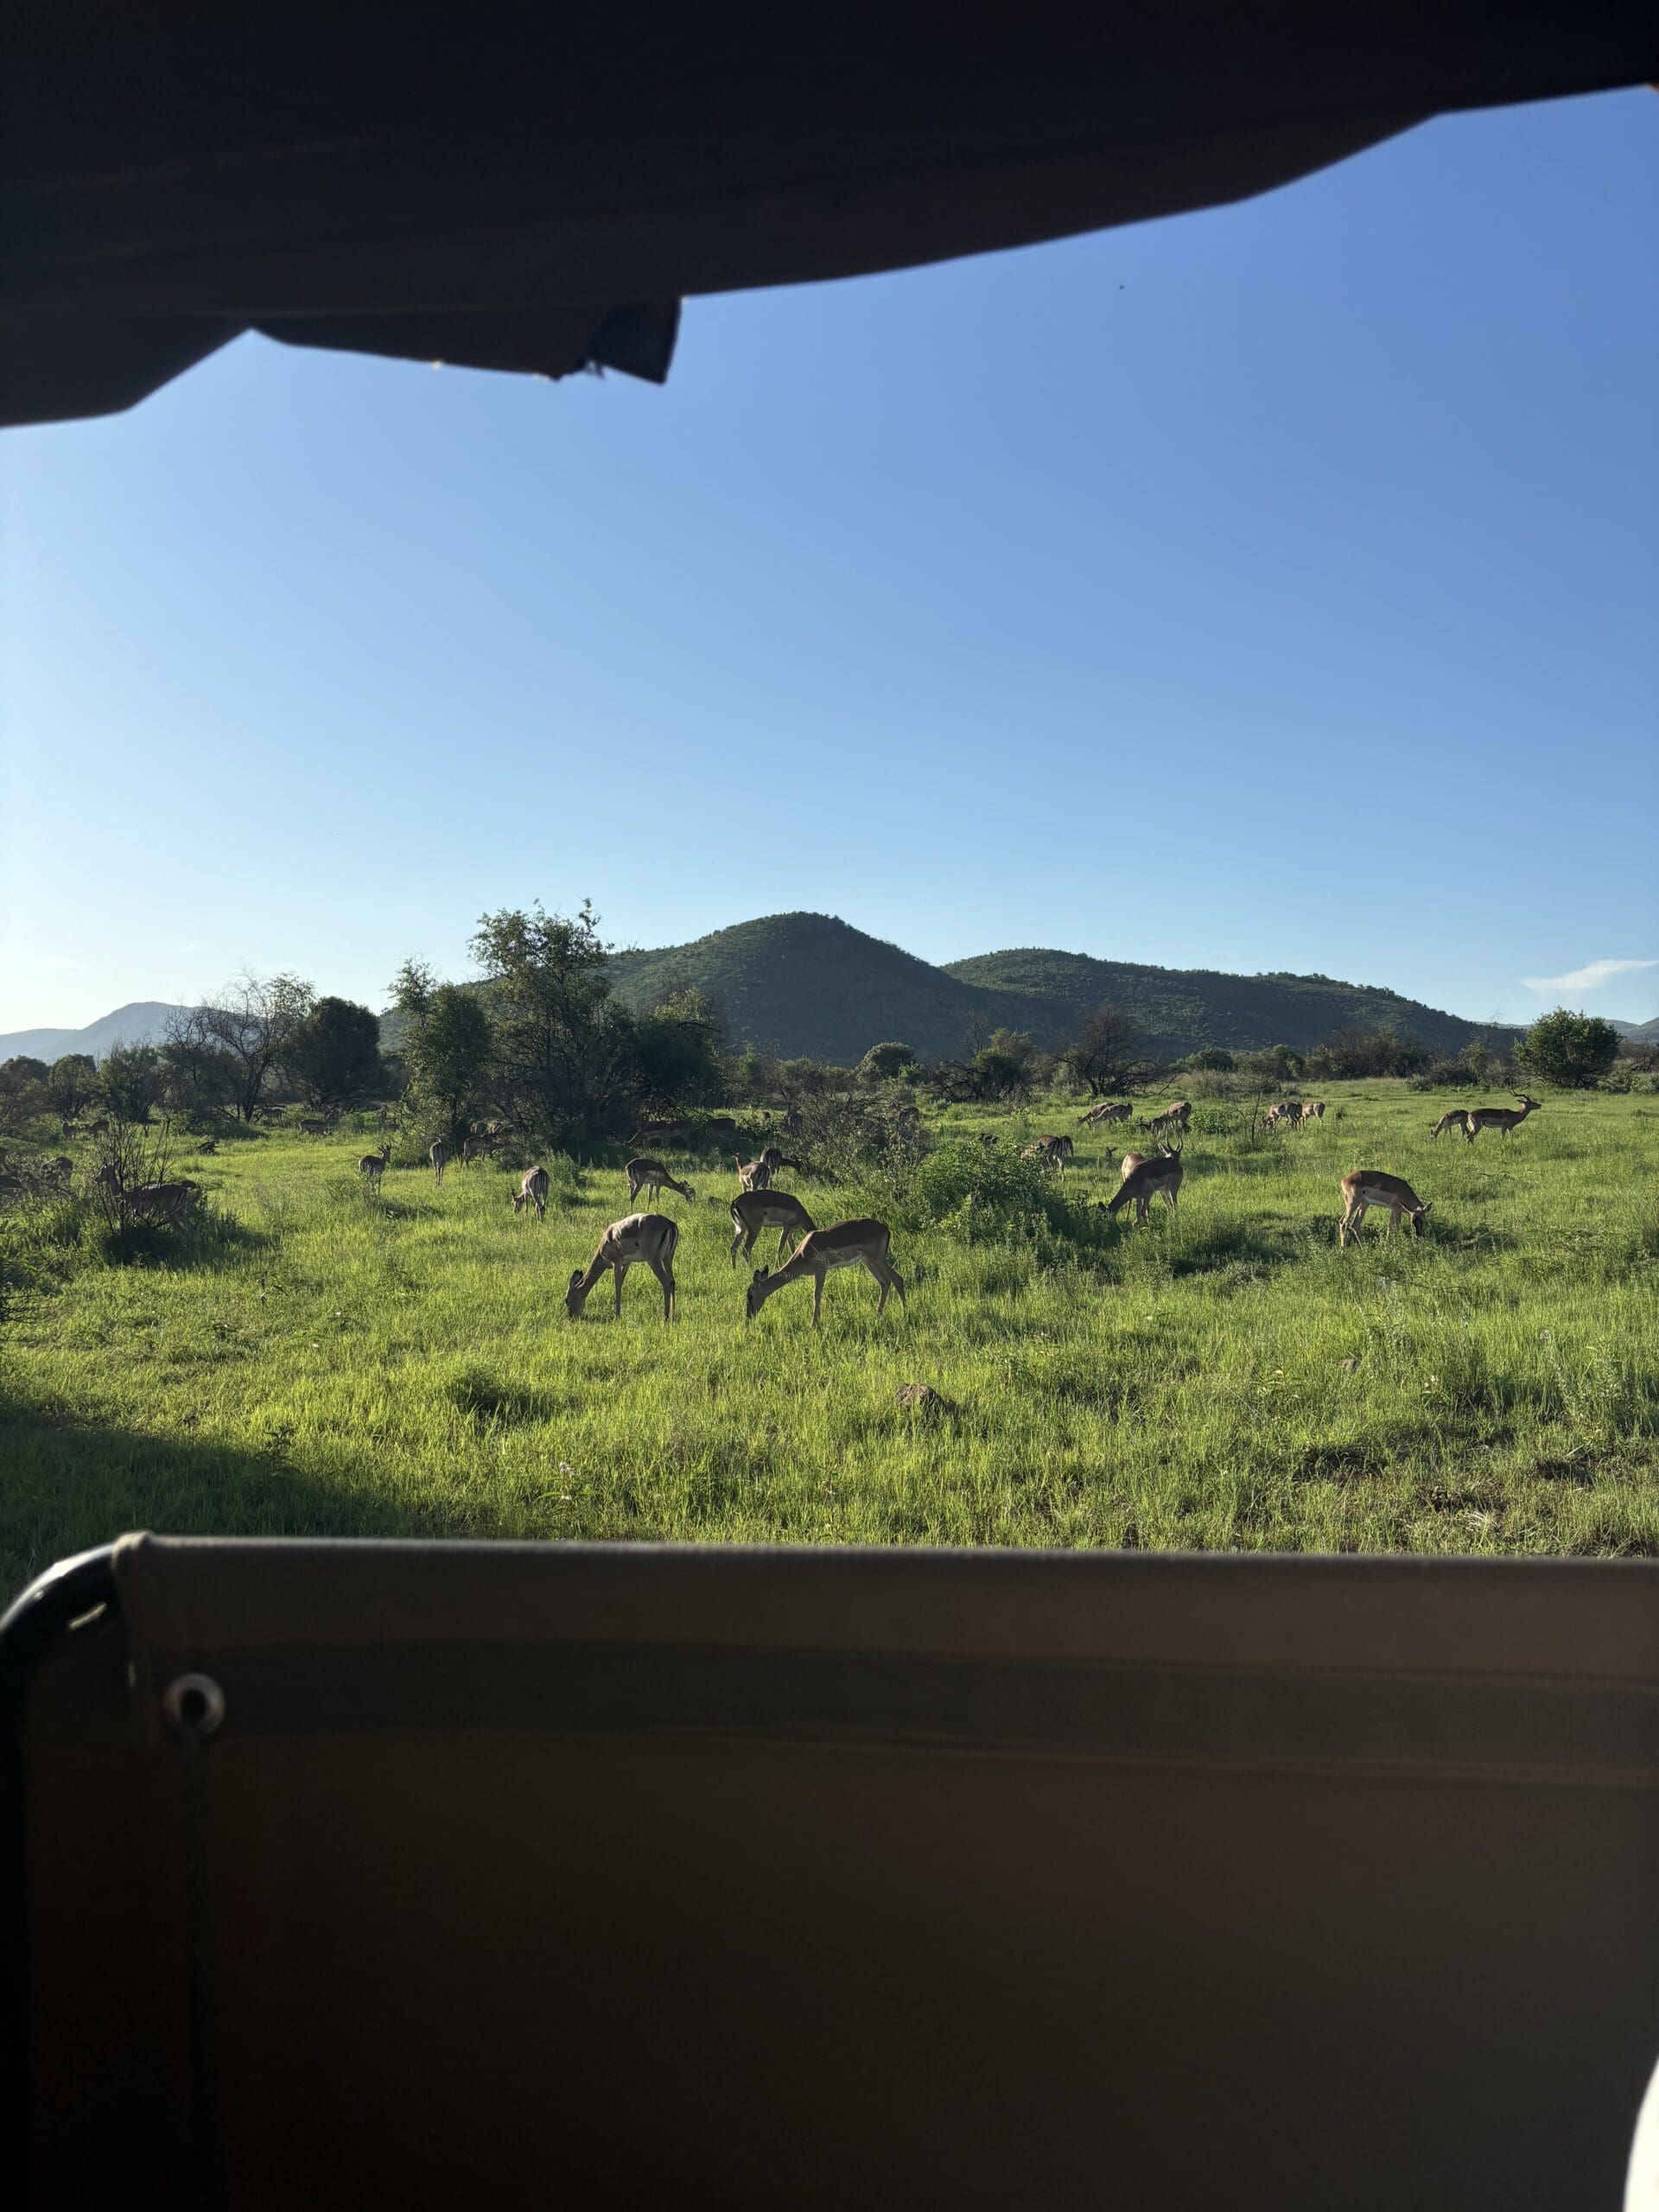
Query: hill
(811, 984)
(144, 1022)
(1646, 1032)
(1184, 1009)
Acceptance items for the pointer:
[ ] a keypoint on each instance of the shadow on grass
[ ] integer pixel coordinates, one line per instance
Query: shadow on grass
(71, 1486)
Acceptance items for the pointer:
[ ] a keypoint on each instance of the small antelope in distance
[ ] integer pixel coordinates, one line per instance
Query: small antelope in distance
(849, 1244)
(772, 1160)
(437, 1154)
(315, 1125)
(1173, 1117)
(752, 1174)
(1313, 1110)
(1502, 1118)
(1284, 1110)
(648, 1237)
(1455, 1118)
(1053, 1152)
(374, 1165)
(1105, 1111)
(473, 1149)
(754, 1211)
(531, 1192)
(1145, 1178)
(1369, 1186)
(162, 1201)
(651, 1175)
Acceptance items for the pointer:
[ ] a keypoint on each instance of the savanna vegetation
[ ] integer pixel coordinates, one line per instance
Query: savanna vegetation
(301, 1353)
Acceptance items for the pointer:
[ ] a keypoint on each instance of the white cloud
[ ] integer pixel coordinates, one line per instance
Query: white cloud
(1589, 977)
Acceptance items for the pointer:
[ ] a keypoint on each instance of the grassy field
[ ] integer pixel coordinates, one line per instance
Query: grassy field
(321, 1360)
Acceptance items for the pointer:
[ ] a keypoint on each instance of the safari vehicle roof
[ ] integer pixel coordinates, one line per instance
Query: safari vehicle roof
(537, 189)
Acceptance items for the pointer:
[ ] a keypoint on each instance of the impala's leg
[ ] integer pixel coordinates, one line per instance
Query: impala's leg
(879, 1272)
(619, 1269)
(664, 1275)
(818, 1295)
(783, 1239)
(737, 1238)
(897, 1280)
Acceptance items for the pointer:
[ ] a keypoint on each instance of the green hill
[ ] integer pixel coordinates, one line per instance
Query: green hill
(1184, 1009)
(810, 984)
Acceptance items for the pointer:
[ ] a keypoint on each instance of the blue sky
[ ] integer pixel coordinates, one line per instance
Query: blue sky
(1272, 587)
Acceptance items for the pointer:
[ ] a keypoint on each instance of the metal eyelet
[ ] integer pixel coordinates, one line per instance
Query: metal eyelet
(194, 1704)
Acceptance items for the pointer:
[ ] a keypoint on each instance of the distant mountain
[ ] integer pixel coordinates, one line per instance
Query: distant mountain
(1647, 1030)
(809, 984)
(144, 1022)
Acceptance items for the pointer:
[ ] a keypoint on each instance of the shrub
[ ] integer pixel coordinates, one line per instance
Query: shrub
(1572, 1049)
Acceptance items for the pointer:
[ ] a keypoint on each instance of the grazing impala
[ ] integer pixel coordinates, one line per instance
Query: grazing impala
(1369, 1186)
(374, 1165)
(772, 1160)
(437, 1154)
(1105, 1111)
(1502, 1118)
(648, 1237)
(1313, 1110)
(1456, 1118)
(1285, 1110)
(752, 1174)
(1173, 1117)
(1146, 1178)
(651, 1175)
(162, 1201)
(849, 1244)
(531, 1192)
(754, 1211)
(1053, 1152)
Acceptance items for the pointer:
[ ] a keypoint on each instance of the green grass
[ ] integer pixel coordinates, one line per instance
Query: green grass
(318, 1360)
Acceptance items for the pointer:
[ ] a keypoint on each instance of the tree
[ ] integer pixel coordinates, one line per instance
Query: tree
(23, 1090)
(1103, 1056)
(70, 1081)
(198, 1076)
(448, 1056)
(412, 989)
(884, 1063)
(567, 1056)
(681, 1058)
(332, 1055)
(258, 1015)
(1574, 1049)
(129, 1082)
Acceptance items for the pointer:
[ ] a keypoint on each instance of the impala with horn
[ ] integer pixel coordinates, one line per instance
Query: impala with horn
(649, 1238)
(1501, 1118)
(1146, 1177)
(1105, 1111)
(372, 1165)
(849, 1244)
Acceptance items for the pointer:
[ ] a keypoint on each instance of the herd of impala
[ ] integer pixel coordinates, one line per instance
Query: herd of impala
(652, 1239)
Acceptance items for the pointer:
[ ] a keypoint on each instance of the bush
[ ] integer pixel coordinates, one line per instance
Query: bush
(1574, 1049)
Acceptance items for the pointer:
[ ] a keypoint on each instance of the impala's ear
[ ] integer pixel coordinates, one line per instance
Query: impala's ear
(761, 1273)
(1426, 1204)
(575, 1277)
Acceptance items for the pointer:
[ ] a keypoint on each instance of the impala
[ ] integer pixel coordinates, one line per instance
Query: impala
(531, 1192)
(1285, 1110)
(1369, 1186)
(754, 1211)
(473, 1149)
(648, 1237)
(849, 1244)
(772, 1160)
(752, 1174)
(1145, 1178)
(1053, 1152)
(162, 1201)
(651, 1175)
(1105, 1111)
(1456, 1118)
(374, 1165)
(315, 1125)
(437, 1155)
(1314, 1109)
(1502, 1118)
(1173, 1117)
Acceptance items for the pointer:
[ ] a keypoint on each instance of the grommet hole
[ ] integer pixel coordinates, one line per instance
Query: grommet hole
(194, 1705)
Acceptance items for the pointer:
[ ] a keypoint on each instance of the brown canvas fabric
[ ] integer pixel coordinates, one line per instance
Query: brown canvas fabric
(626, 1876)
